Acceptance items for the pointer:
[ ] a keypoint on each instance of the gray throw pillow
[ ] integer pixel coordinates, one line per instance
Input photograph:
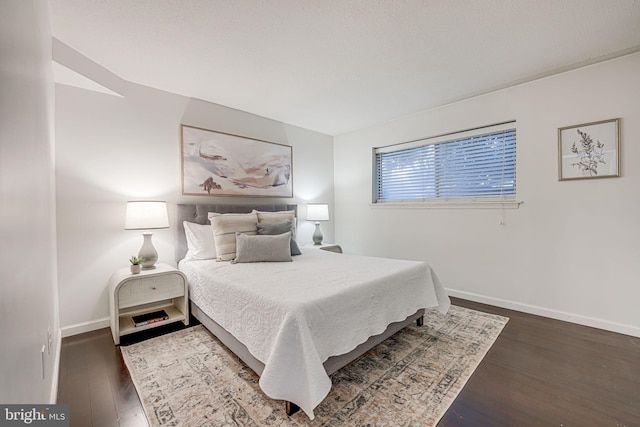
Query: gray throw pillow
(263, 248)
(279, 228)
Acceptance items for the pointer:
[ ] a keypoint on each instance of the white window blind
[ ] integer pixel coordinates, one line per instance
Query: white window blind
(474, 165)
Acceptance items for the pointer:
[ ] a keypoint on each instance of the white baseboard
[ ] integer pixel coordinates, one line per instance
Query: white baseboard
(83, 327)
(620, 328)
(545, 312)
(53, 397)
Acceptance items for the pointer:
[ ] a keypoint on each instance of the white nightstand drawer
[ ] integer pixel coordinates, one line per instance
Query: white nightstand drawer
(150, 289)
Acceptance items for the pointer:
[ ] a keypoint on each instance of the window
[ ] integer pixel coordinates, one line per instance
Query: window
(470, 166)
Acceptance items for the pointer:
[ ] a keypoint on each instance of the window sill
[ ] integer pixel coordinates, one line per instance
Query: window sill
(449, 204)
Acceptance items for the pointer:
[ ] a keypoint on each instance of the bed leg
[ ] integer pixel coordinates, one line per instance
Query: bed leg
(420, 321)
(291, 408)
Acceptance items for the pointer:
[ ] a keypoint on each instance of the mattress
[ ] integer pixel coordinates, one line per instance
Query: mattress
(292, 316)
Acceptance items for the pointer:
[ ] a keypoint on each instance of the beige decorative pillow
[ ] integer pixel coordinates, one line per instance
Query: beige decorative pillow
(280, 216)
(225, 227)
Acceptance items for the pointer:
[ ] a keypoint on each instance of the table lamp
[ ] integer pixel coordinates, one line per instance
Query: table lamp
(317, 212)
(147, 216)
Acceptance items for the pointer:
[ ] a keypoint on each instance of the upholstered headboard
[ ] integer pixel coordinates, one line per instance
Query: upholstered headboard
(198, 213)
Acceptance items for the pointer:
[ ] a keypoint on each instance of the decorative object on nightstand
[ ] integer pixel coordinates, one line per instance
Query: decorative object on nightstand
(317, 212)
(147, 215)
(135, 264)
(153, 298)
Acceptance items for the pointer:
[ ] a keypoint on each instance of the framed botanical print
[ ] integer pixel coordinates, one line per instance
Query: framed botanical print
(590, 150)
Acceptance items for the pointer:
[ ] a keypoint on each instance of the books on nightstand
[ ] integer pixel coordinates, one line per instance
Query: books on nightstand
(148, 318)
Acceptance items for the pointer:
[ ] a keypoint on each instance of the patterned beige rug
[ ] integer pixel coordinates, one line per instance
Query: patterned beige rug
(188, 378)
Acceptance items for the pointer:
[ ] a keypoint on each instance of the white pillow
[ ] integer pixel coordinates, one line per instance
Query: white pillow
(225, 227)
(200, 242)
(279, 216)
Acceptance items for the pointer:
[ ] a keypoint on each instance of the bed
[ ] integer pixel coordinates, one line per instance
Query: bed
(295, 323)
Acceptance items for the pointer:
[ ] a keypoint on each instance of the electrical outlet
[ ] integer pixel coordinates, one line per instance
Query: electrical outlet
(42, 359)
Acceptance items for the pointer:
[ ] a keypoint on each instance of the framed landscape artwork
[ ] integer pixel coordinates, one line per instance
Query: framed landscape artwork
(590, 150)
(221, 164)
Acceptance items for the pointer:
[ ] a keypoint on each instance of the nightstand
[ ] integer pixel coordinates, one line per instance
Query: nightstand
(162, 288)
(331, 247)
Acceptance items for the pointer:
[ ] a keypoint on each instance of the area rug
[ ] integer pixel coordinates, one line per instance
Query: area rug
(188, 378)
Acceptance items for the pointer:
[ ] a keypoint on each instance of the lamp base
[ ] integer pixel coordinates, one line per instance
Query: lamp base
(148, 253)
(317, 235)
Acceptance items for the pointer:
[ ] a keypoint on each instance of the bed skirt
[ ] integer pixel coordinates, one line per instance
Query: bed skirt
(331, 365)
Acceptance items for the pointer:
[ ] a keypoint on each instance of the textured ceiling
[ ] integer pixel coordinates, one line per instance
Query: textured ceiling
(339, 65)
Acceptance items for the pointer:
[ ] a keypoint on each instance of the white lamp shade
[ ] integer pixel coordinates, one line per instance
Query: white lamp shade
(146, 216)
(318, 212)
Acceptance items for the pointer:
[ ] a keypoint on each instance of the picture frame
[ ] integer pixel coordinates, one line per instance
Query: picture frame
(589, 150)
(222, 164)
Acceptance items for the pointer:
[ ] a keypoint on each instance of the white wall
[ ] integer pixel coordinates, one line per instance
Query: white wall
(111, 149)
(570, 251)
(28, 293)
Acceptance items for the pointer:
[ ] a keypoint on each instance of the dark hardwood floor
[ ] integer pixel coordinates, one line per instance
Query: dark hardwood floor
(540, 372)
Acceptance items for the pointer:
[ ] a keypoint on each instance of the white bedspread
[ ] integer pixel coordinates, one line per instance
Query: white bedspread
(292, 316)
